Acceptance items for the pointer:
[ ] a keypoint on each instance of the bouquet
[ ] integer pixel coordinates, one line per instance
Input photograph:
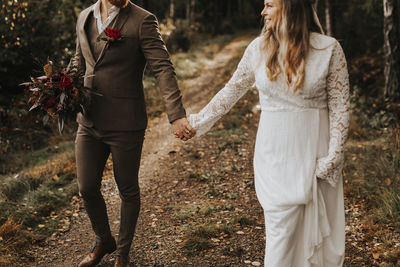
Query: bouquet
(59, 94)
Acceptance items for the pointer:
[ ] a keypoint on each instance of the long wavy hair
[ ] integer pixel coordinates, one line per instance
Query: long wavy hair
(287, 43)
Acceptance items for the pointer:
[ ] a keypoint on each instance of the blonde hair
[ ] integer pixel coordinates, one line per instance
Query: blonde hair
(287, 43)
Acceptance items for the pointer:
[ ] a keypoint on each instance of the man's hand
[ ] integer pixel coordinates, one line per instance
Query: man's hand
(183, 130)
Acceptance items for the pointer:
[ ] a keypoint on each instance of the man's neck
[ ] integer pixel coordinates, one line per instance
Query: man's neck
(104, 7)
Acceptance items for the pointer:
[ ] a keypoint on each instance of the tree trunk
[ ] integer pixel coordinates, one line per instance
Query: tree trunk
(192, 5)
(391, 48)
(172, 9)
(188, 11)
(316, 5)
(328, 20)
(229, 10)
(240, 7)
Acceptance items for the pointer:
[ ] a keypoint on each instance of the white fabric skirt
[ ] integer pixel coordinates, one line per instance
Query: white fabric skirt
(304, 217)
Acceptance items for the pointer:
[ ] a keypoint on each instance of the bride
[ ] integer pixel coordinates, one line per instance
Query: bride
(302, 79)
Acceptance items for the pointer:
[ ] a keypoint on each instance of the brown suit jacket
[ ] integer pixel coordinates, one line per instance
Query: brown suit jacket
(117, 73)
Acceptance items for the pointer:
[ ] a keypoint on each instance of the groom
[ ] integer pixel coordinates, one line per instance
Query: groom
(115, 121)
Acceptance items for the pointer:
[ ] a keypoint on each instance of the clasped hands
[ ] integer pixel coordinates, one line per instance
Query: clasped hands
(183, 130)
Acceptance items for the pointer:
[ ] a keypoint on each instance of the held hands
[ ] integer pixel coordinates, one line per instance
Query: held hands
(183, 130)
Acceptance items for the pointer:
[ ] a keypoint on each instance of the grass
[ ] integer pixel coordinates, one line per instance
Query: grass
(243, 221)
(205, 177)
(17, 160)
(193, 153)
(13, 237)
(194, 245)
(373, 169)
(28, 198)
(13, 187)
(198, 238)
(233, 251)
(182, 216)
(231, 144)
(225, 133)
(232, 195)
(210, 210)
(212, 191)
(372, 174)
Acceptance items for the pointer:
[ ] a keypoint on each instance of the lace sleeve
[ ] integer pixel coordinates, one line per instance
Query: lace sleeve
(330, 167)
(241, 81)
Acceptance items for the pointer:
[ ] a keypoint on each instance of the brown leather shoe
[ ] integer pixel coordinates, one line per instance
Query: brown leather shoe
(122, 261)
(98, 251)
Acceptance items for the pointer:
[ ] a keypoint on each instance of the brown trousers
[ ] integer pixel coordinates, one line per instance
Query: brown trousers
(92, 148)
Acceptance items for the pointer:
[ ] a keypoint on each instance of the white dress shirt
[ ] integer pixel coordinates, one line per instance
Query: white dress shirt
(112, 13)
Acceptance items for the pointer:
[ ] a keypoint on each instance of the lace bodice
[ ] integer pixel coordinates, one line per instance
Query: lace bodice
(326, 85)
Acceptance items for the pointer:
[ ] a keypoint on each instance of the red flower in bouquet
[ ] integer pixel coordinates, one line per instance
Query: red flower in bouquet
(50, 102)
(65, 81)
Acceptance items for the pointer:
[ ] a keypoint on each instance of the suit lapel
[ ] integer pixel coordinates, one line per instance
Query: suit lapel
(123, 16)
(118, 24)
(86, 51)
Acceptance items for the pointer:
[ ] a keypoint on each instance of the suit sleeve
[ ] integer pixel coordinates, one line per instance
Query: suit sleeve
(159, 62)
(78, 61)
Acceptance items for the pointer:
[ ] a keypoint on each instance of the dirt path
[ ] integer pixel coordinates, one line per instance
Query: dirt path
(197, 93)
(74, 237)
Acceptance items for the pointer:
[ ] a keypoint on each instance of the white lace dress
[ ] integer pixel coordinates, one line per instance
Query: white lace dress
(301, 136)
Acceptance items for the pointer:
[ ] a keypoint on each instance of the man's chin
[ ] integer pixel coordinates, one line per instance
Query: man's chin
(119, 3)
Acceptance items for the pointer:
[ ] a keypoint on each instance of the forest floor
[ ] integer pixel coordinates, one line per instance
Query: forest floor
(199, 206)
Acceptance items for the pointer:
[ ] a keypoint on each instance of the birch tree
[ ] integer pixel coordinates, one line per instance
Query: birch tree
(391, 48)
(328, 19)
(172, 9)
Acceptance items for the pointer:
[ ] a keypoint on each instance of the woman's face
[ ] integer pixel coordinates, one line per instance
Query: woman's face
(271, 13)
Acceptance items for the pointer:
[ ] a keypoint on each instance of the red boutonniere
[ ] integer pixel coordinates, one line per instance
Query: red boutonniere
(112, 35)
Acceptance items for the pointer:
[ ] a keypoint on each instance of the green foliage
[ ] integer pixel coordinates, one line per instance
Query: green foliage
(233, 251)
(357, 24)
(197, 239)
(33, 30)
(38, 201)
(194, 245)
(243, 220)
(234, 145)
(182, 216)
(27, 200)
(372, 5)
(373, 171)
(372, 115)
